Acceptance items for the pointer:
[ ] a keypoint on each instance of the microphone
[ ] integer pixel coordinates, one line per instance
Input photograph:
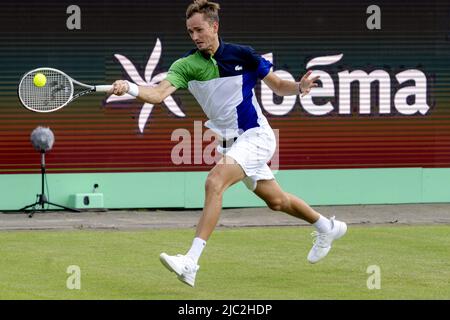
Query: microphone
(42, 139)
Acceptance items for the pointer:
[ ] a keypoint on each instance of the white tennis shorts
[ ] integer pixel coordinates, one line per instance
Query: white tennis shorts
(252, 151)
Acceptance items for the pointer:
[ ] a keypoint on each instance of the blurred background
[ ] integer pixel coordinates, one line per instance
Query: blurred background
(368, 155)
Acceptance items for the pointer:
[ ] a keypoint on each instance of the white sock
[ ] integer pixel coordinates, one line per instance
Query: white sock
(322, 225)
(197, 248)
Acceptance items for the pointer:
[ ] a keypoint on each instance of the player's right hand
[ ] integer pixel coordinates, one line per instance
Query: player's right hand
(119, 88)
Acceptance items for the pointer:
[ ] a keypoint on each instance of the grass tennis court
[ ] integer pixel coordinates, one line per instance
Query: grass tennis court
(238, 263)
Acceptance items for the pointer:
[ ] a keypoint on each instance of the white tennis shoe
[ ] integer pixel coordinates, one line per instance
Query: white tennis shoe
(185, 268)
(322, 241)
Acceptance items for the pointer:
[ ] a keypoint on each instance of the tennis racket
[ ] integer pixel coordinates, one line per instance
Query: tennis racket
(57, 92)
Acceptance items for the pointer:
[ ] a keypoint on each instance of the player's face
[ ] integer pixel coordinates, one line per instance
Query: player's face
(202, 32)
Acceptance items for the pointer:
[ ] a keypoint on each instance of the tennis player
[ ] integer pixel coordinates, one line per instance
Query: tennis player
(221, 76)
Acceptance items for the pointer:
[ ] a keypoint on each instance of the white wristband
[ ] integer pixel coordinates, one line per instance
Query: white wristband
(133, 89)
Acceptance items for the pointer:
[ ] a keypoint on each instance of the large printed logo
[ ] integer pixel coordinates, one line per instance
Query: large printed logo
(149, 79)
(407, 100)
(403, 94)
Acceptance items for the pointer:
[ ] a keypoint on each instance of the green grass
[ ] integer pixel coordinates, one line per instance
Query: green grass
(242, 263)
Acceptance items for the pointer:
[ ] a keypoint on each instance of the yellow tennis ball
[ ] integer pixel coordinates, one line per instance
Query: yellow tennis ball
(39, 80)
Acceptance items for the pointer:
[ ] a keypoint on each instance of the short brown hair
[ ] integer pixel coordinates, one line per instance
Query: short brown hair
(210, 10)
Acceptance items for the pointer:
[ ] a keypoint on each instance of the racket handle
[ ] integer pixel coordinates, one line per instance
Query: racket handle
(104, 88)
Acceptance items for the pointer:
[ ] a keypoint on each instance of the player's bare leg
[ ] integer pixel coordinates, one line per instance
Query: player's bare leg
(224, 174)
(278, 200)
(327, 230)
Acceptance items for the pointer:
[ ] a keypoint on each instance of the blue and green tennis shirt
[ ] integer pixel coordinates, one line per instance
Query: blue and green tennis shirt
(223, 85)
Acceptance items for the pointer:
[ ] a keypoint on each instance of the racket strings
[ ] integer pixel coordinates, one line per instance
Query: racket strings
(56, 92)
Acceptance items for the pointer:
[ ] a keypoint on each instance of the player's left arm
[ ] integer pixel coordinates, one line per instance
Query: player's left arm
(288, 88)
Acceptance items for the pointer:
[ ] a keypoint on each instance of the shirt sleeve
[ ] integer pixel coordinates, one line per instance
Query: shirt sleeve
(264, 68)
(178, 74)
(260, 65)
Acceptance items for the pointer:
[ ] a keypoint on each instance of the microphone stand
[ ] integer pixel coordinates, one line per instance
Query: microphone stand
(42, 198)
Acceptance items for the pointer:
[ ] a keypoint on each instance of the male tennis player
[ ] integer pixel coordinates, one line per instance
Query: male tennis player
(221, 76)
